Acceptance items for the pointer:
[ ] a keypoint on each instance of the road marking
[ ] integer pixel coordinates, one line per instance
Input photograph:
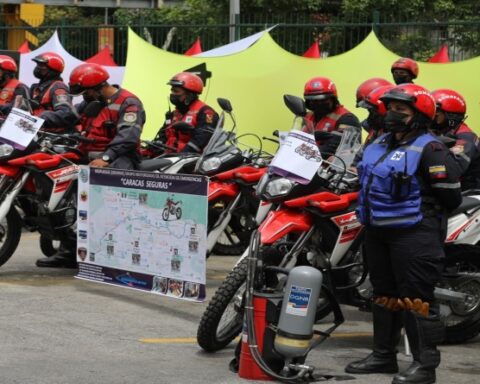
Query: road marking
(193, 340)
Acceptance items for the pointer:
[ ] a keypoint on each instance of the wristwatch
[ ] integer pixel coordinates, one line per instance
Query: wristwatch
(106, 158)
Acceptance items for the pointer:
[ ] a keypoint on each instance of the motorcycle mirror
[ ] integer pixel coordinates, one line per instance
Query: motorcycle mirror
(295, 104)
(93, 108)
(225, 105)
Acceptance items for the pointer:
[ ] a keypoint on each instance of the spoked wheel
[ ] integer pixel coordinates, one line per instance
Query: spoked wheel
(165, 214)
(10, 232)
(462, 274)
(222, 320)
(236, 236)
(178, 213)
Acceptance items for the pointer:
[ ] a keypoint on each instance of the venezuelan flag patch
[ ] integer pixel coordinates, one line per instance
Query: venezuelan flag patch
(437, 172)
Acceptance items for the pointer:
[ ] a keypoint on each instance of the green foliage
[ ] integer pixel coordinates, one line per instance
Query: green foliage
(325, 21)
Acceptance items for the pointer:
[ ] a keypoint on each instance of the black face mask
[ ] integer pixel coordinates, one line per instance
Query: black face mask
(401, 79)
(175, 100)
(375, 121)
(319, 108)
(440, 128)
(88, 98)
(395, 122)
(39, 73)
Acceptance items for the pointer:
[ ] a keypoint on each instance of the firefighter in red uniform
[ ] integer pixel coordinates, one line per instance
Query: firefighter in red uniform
(449, 121)
(186, 87)
(10, 86)
(117, 123)
(327, 114)
(115, 128)
(404, 70)
(50, 98)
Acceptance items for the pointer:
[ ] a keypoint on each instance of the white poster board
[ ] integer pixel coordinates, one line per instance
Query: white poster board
(297, 158)
(20, 128)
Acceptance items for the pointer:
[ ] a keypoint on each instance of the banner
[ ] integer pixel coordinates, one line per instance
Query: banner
(143, 230)
(19, 128)
(298, 157)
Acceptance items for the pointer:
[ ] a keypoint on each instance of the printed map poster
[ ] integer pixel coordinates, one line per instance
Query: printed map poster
(143, 230)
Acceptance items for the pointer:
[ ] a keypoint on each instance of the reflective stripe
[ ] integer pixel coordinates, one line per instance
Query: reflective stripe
(464, 157)
(446, 185)
(114, 107)
(196, 148)
(393, 221)
(414, 148)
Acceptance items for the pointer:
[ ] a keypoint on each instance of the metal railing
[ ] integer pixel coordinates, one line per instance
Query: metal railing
(419, 40)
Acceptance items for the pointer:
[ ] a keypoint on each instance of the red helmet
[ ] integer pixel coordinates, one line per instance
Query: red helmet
(368, 86)
(87, 75)
(450, 101)
(373, 99)
(319, 88)
(188, 81)
(407, 64)
(414, 95)
(52, 60)
(8, 64)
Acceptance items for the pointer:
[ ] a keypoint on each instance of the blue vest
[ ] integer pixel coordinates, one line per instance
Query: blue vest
(383, 201)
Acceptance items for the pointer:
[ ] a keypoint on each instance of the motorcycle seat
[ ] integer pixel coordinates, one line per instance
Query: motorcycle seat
(153, 164)
(467, 204)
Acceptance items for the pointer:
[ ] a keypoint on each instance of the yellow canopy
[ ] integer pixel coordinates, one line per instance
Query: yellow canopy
(256, 79)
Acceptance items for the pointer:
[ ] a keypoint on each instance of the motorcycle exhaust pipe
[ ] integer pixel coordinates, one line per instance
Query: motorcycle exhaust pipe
(8, 200)
(449, 295)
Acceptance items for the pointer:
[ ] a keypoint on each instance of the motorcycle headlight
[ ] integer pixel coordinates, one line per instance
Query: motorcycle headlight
(5, 150)
(279, 187)
(211, 164)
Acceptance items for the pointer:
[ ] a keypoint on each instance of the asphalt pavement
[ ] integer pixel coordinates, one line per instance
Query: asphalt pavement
(56, 329)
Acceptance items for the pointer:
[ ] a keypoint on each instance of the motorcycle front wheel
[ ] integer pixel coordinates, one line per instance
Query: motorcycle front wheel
(10, 232)
(223, 319)
(165, 214)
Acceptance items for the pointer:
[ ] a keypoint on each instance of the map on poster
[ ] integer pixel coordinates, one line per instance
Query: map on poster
(143, 230)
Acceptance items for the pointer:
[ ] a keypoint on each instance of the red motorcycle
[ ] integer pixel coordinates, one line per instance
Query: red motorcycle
(38, 191)
(320, 229)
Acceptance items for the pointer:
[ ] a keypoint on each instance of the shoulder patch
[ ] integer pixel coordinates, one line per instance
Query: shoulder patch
(130, 117)
(437, 171)
(209, 118)
(62, 98)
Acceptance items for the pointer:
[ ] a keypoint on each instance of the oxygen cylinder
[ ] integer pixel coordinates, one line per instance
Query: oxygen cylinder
(295, 325)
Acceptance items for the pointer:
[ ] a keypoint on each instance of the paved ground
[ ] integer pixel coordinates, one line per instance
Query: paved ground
(59, 330)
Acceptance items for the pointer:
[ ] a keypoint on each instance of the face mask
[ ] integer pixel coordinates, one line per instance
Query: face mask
(39, 73)
(375, 120)
(319, 108)
(175, 100)
(395, 122)
(440, 128)
(88, 98)
(401, 79)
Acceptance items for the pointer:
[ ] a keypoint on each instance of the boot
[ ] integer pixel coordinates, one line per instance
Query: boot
(64, 258)
(424, 333)
(387, 326)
